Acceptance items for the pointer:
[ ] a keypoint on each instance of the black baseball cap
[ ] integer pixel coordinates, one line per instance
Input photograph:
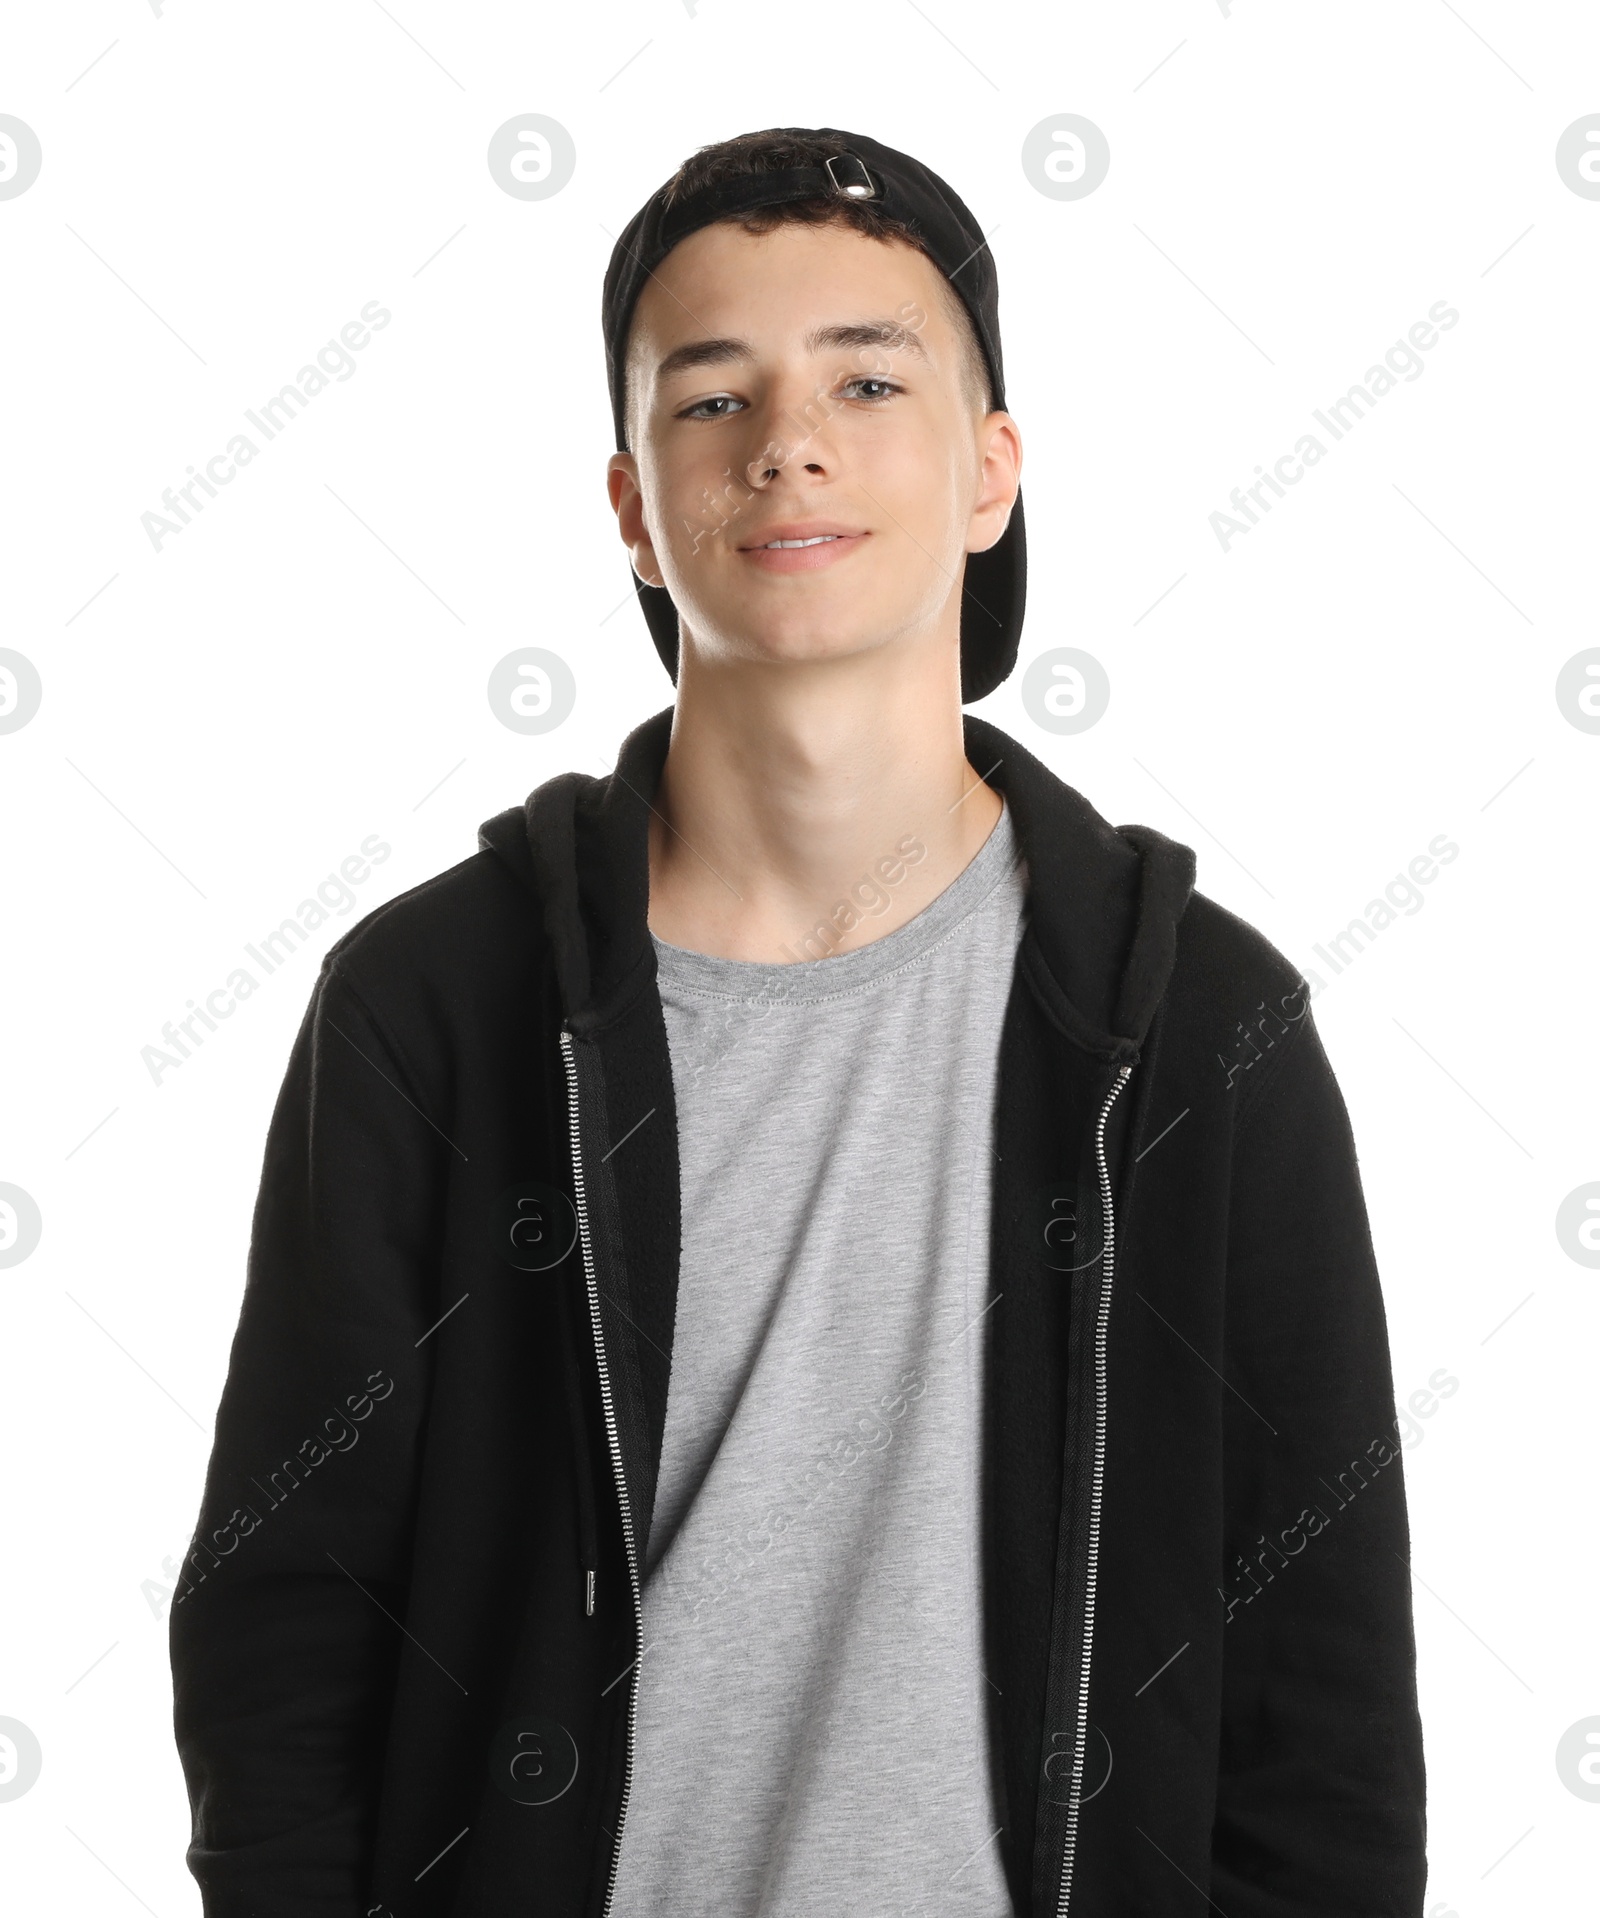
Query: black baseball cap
(994, 582)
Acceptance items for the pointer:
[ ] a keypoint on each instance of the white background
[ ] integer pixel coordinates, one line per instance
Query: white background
(226, 719)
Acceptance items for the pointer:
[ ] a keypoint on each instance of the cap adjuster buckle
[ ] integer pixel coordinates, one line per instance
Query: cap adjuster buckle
(864, 188)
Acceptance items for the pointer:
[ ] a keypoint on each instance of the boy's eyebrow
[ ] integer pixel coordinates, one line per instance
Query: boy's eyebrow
(893, 335)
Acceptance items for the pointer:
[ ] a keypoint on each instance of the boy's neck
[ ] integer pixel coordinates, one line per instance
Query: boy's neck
(790, 792)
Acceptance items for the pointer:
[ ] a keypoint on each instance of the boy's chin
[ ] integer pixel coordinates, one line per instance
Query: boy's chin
(794, 648)
(788, 641)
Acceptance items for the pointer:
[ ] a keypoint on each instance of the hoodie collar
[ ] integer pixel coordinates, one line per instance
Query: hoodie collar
(1104, 901)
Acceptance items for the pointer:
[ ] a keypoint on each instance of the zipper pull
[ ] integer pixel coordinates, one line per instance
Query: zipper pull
(588, 1579)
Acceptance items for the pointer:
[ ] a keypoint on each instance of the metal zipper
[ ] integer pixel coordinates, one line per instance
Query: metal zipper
(1101, 1330)
(614, 1444)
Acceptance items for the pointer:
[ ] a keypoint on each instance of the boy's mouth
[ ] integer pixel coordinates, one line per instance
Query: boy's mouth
(801, 548)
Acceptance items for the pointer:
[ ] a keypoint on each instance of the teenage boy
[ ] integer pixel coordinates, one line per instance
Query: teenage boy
(811, 1340)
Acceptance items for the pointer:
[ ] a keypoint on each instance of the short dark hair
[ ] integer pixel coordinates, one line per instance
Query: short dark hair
(775, 150)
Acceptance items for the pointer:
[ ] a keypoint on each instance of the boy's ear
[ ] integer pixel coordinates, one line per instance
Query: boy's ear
(1001, 480)
(627, 502)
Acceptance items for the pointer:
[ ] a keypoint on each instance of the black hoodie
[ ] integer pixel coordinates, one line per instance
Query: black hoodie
(405, 1643)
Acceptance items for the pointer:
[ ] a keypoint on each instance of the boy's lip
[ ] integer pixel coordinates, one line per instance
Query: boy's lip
(837, 540)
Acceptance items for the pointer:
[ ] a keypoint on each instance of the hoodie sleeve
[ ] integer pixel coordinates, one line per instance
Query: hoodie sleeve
(1320, 1806)
(285, 1624)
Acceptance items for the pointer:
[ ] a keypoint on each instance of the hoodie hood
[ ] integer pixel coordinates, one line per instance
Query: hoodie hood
(1104, 901)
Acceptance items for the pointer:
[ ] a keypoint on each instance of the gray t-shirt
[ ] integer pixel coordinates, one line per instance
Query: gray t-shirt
(813, 1712)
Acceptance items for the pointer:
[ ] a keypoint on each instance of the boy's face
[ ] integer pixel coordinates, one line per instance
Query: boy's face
(765, 405)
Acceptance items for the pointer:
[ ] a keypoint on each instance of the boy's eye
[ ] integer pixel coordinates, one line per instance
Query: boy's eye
(886, 387)
(724, 401)
(870, 387)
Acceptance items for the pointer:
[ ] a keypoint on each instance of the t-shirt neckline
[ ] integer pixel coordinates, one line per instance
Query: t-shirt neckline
(705, 974)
